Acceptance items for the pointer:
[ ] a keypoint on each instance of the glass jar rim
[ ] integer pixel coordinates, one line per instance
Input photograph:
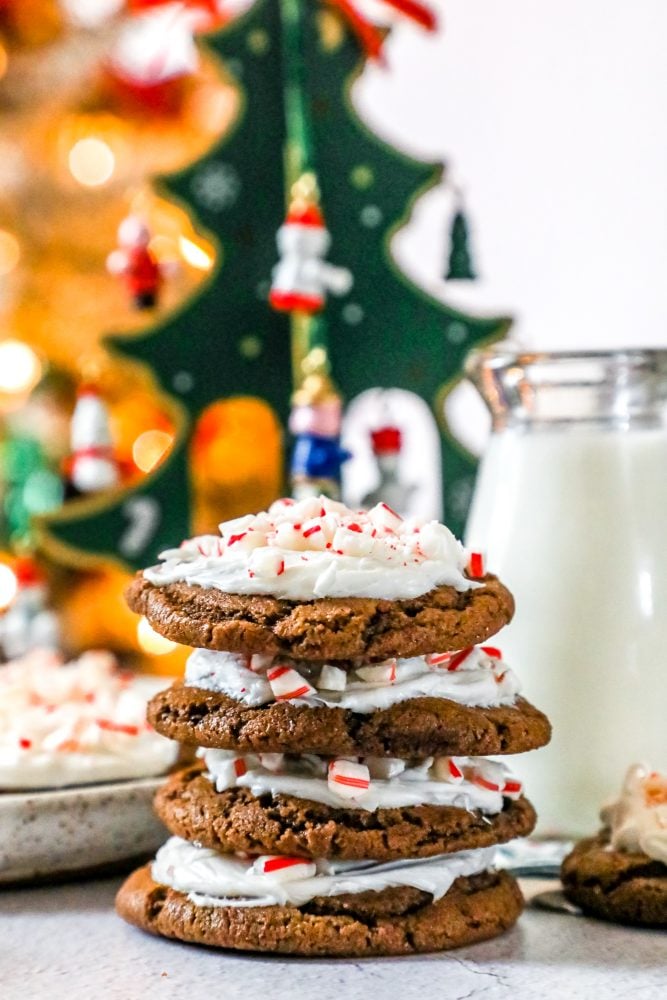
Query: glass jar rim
(568, 387)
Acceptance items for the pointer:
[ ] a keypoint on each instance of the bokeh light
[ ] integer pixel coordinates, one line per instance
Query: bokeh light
(20, 368)
(194, 254)
(10, 252)
(91, 162)
(151, 642)
(8, 586)
(149, 448)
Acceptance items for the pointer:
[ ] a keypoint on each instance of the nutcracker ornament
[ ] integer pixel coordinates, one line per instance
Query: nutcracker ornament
(315, 422)
(28, 623)
(92, 465)
(302, 277)
(136, 264)
(386, 443)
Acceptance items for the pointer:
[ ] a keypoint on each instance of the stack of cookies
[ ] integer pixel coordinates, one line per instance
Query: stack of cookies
(343, 802)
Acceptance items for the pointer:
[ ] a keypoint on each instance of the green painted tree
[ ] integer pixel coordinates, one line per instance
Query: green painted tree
(226, 341)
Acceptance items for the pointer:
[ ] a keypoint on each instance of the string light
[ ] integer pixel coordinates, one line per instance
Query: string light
(8, 586)
(20, 368)
(151, 642)
(91, 162)
(149, 448)
(10, 252)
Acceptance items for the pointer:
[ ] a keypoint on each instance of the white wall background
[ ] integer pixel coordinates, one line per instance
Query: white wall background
(553, 114)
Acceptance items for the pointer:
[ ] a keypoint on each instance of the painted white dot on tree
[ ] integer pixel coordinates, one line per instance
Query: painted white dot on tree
(456, 332)
(352, 313)
(183, 381)
(258, 42)
(216, 186)
(370, 216)
(250, 346)
(362, 177)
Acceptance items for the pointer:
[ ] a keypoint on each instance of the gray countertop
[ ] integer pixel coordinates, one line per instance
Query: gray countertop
(65, 943)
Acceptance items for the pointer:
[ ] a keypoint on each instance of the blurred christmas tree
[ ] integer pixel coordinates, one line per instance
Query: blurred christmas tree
(296, 61)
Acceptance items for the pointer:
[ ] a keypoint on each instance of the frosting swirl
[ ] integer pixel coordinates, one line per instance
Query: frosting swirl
(76, 723)
(212, 879)
(475, 677)
(318, 547)
(464, 782)
(637, 821)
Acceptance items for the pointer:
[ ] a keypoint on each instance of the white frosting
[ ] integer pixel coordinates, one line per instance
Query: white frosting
(77, 723)
(212, 879)
(637, 821)
(479, 680)
(393, 783)
(319, 548)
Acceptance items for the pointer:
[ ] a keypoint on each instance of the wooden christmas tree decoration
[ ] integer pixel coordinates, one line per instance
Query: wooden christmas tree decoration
(227, 341)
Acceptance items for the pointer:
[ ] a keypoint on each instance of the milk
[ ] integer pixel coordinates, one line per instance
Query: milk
(574, 521)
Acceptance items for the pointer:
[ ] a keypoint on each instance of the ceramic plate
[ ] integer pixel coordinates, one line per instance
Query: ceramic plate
(46, 834)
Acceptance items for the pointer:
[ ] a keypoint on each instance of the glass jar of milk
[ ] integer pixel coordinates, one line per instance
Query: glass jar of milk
(570, 508)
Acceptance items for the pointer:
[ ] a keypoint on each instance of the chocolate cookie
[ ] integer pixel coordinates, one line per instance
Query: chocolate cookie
(326, 629)
(396, 921)
(235, 820)
(420, 727)
(616, 885)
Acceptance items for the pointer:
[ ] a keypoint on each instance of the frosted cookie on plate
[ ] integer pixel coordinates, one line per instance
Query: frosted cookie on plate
(316, 580)
(621, 874)
(78, 723)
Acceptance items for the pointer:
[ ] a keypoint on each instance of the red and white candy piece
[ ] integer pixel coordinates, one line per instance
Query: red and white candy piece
(287, 683)
(287, 869)
(259, 662)
(449, 769)
(332, 678)
(384, 768)
(267, 563)
(512, 789)
(272, 761)
(476, 565)
(348, 779)
(449, 661)
(492, 651)
(383, 517)
(487, 774)
(379, 673)
(352, 542)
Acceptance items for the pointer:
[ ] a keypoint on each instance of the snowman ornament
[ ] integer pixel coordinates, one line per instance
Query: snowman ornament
(92, 464)
(302, 277)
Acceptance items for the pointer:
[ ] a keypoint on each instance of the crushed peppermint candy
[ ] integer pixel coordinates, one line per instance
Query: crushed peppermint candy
(367, 782)
(319, 547)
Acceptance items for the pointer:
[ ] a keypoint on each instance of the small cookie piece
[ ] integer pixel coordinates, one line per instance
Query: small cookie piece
(398, 921)
(624, 887)
(419, 727)
(236, 820)
(326, 629)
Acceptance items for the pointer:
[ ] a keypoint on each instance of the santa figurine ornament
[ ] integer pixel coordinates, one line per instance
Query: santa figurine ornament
(302, 278)
(92, 465)
(134, 261)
